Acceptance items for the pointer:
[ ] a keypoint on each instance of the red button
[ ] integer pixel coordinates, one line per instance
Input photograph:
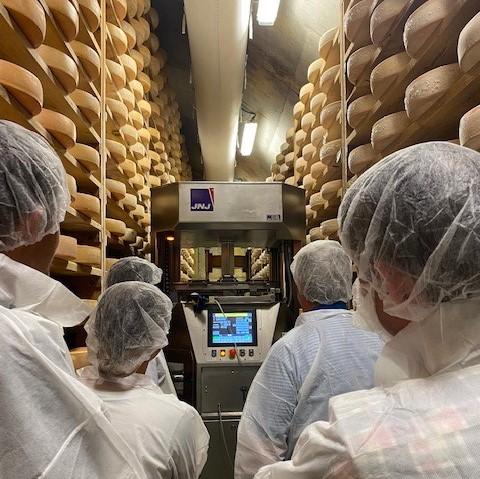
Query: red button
(232, 354)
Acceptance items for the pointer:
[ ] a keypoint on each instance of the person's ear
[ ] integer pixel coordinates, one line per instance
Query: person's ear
(397, 284)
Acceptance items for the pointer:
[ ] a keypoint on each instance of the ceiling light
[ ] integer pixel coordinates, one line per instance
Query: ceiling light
(267, 12)
(170, 238)
(248, 138)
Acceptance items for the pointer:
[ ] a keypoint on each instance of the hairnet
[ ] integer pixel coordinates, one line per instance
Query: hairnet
(322, 272)
(411, 225)
(129, 324)
(134, 268)
(33, 189)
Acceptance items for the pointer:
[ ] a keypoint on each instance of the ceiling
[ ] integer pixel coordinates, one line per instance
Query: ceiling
(278, 59)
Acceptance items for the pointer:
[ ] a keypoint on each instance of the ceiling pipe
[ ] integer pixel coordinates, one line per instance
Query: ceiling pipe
(218, 35)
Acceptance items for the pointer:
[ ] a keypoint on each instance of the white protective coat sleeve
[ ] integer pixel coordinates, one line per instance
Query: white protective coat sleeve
(50, 424)
(263, 431)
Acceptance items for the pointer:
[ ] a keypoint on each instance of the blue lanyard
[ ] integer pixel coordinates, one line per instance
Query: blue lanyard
(337, 305)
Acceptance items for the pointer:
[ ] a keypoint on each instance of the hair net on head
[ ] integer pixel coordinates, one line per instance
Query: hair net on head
(134, 268)
(411, 224)
(128, 325)
(33, 188)
(322, 272)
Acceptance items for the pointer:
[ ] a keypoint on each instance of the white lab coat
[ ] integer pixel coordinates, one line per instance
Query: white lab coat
(323, 356)
(50, 424)
(167, 435)
(158, 372)
(425, 425)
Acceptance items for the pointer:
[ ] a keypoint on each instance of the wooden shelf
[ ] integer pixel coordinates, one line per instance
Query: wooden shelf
(70, 268)
(75, 221)
(115, 210)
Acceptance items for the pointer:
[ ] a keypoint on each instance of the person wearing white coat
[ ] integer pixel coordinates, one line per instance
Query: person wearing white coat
(133, 268)
(411, 224)
(127, 329)
(324, 355)
(50, 424)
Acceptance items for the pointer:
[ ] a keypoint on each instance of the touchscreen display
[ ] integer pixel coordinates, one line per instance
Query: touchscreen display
(232, 328)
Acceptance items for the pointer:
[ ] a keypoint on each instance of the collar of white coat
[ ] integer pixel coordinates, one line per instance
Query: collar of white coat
(89, 375)
(320, 314)
(447, 340)
(23, 288)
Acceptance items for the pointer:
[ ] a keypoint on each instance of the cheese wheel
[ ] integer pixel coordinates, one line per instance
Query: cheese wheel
(136, 119)
(329, 228)
(138, 212)
(306, 93)
(91, 13)
(144, 136)
(86, 155)
(118, 111)
(172, 179)
(329, 190)
(356, 17)
(23, 85)
(130, 134)
(329, 114)
(316, 234)
(115, 227)
(317, 136)
(155, 66)
(422, 25)
(389, 129)
(359, 110)
(326, 50)
(87, 104)
(67, 248)
(138, 57)
(284, 169)
(147, 56)
(119, 7)
(315, 70)
(72, 186)
(429, 88)
(117, 189)
(137, 89)
(289, 160)
(59, 126)
(145, 80)
(153, 43)
(109, 262)
(164, 158)
(154, 157)
(361, 158)
(145, 193)
(131, 34)
(117, 150)
(308, 152)
(154, 134)
(128, 98)
(65, 16)
(145, 28)
(387, 73)
(159, 169)
(118, 39)
(307, 122)
(155, 110)
(470, 129)
(298, 110)
(469, 45)
(129, 168)
(130, 236)
(88, 58)
(317, 202)
(308, 182)
(329, 151)
(317, 103)
(138, 151)
(130, 67)
(30, 17)
(87, 204)
(130, 202)
(300, 165)
(360, 63)
(61, 65)
(145, 108)
(155, 181)
(88, 255)
(328, 79)
(117, 73)
(300, 137)
(385, 18)
(291, 181)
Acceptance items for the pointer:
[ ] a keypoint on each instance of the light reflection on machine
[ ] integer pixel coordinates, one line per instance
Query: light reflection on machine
(225, 250)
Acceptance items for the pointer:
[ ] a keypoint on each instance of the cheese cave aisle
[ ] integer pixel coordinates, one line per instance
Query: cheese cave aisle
(196, 150)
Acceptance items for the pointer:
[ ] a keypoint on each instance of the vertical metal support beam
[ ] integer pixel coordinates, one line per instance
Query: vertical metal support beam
(103, 135)
(343, 86)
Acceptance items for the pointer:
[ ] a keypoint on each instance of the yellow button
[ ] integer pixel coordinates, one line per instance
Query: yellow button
(223, 353)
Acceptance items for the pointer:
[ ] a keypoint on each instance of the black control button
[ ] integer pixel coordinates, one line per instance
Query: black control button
(251, 352)
(242, 352)
(214, 353)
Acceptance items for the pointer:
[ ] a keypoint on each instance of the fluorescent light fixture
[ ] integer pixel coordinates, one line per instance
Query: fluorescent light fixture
(267, 12)
(248, 138)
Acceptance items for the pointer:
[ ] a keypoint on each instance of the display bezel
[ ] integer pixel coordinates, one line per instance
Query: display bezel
(211, 344)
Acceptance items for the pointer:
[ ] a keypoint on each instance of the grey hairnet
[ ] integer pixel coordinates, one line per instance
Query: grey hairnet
(34, 194)
(322, 272)
(128, 325)
(416, 214)
(134, 268)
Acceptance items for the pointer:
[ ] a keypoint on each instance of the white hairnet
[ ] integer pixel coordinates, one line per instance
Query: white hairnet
(33, 188)
(128, 325)
(322, 272)
(133, 268)
(411, 225)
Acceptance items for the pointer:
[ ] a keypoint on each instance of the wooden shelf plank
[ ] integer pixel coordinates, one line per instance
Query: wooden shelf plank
(70, 268)
(77, 221)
